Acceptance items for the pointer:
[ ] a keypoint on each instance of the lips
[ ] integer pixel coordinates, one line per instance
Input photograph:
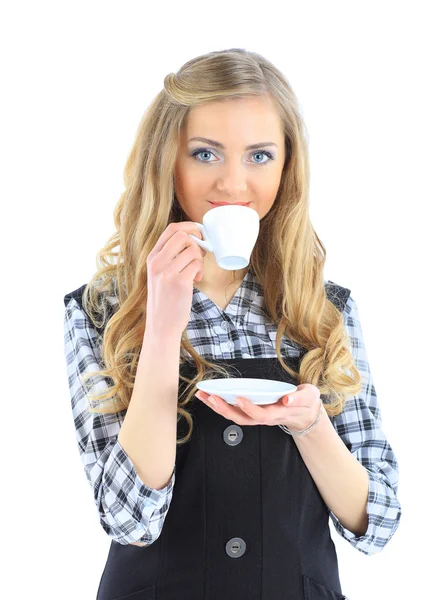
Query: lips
(229, 203)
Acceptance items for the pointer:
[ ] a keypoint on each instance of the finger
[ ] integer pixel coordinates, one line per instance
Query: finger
(266, 413)
(290, 399)
(301, 397)
(190, 255)
(177, 254)
(228, 411)
(171, 229)
(257, 413)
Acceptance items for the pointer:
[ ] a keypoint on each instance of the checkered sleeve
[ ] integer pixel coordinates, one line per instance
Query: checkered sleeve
(129, 511)
(360, 427)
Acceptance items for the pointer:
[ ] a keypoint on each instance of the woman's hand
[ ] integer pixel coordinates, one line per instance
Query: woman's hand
(297, 415)
(175, 262)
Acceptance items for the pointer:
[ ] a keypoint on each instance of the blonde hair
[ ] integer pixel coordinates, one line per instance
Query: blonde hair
(293, 284)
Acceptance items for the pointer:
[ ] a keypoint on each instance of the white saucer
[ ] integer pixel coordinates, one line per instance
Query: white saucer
(258, 391)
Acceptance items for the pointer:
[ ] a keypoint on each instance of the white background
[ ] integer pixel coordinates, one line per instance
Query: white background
(76, 79)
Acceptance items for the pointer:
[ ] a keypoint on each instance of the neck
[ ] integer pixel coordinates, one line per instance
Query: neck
(216, 278)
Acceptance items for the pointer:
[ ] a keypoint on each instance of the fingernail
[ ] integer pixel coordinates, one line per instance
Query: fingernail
(212, 400)
(290, 400)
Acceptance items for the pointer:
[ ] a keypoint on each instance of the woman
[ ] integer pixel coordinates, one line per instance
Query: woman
(202, 499)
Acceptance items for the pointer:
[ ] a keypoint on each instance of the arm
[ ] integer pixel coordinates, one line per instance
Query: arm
(149, 431)
(351, 461)
(342, 481)
(129, 510)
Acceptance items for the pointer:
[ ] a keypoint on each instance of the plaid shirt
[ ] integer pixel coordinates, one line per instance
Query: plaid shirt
(130, 511)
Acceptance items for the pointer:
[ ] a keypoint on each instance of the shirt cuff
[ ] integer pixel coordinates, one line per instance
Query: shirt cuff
(383, 515)
(127, 466)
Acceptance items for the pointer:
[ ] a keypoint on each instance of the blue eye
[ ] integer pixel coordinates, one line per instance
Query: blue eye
(255, 153)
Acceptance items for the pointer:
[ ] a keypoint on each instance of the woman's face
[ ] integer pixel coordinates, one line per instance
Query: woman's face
(232, 173)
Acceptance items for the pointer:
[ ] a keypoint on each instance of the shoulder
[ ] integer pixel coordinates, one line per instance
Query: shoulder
(339, 296)
(107, 294)
(74, 301)
(76, 295)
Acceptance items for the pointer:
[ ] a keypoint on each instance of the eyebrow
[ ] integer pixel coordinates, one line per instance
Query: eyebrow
(219, 145)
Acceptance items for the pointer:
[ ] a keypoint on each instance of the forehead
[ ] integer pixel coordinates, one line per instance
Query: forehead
(233, 117)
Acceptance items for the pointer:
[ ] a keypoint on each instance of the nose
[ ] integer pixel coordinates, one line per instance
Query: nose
(233, 180)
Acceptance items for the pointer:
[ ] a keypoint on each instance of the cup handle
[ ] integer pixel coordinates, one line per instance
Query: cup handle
(205, 244)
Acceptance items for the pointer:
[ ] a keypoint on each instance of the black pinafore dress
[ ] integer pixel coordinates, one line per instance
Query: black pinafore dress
(246, 520)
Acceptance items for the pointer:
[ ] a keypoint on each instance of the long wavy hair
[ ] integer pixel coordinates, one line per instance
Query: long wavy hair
(300, 310)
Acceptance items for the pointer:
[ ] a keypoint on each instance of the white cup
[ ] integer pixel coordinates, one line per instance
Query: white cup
(230, 232)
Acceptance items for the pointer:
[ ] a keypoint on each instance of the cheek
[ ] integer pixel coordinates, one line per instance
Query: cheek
(271, 185)
(194, 180)
(266, 194)
(199, 185)
(267, 191)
